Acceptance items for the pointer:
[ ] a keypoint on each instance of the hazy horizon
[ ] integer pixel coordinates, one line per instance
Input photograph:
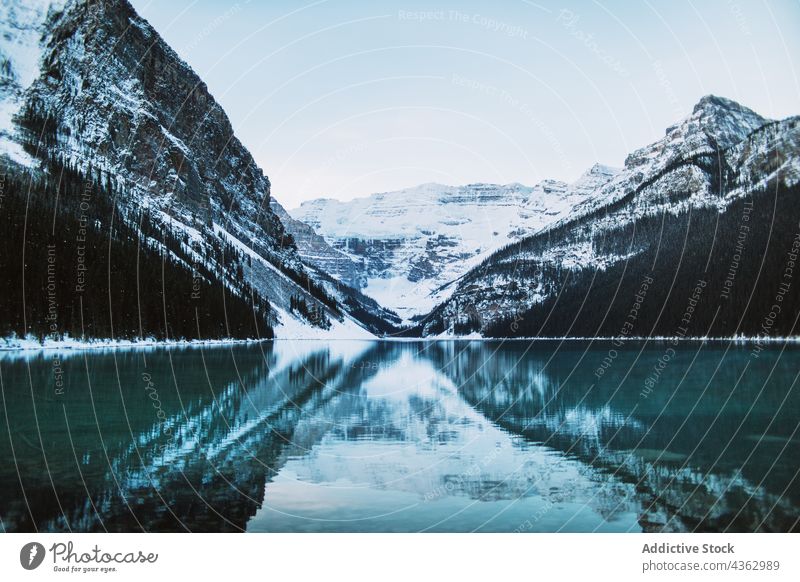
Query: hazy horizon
(342, 100)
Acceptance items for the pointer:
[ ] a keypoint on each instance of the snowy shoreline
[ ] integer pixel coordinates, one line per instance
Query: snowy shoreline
(30, 344)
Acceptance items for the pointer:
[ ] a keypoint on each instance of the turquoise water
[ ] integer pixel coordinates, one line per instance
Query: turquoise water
(402, 436)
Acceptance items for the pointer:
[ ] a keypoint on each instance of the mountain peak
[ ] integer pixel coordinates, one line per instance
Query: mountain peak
(725, 120)
(601, 170)
(715, 105)
(711, 101)
(594, 178)
(139, 115)
(715, 122)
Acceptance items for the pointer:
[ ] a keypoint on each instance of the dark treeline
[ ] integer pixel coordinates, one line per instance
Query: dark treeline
(312, 288)
(363, 312)
(72, 265)
(743, 256)
(314, 314)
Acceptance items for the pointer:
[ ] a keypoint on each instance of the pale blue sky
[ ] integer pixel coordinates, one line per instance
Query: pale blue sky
(342, 99)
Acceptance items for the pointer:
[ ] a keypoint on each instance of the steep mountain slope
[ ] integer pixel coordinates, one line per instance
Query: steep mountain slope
(702, 223)
(91, 87)
(410, 244)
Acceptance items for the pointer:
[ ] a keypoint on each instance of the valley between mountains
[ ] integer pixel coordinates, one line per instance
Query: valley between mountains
(696, 236)
(130, 210)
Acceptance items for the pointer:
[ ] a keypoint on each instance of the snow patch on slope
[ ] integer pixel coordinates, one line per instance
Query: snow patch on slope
(290, 327)
(22, 25)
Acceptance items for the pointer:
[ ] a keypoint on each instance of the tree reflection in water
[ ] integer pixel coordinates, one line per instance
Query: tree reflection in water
(400, 436)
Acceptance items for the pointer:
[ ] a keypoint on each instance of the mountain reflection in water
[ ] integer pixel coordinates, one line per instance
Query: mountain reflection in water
(401, 436)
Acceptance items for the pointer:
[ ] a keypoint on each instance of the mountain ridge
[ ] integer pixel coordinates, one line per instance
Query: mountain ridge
(412, 243)
(111, 100)
(662, 185)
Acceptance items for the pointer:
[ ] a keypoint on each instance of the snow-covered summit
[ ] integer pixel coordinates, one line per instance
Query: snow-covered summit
(715, 123)
(726, 120)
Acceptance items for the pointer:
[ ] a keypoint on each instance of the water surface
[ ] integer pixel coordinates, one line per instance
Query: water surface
(402, 436)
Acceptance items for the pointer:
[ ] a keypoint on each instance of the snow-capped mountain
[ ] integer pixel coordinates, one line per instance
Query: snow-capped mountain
(705, 216)
(92, 87)
(104, 128)
(404, 248)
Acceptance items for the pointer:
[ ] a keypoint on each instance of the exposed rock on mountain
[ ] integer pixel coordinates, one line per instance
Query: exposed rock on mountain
(315, 251)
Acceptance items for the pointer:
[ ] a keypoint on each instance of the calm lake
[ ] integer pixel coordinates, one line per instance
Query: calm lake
(402, 436)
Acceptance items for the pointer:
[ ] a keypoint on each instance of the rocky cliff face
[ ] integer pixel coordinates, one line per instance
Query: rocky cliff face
(410, 245)
(91, 85)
